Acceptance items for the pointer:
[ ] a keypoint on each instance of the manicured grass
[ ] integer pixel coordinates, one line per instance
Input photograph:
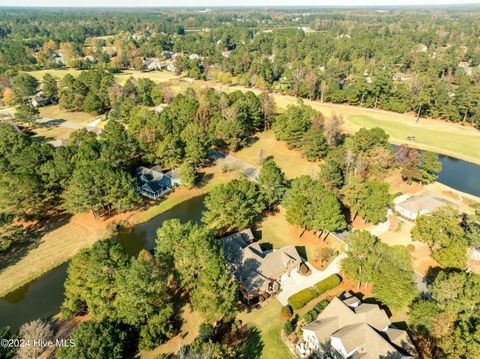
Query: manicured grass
(157, 76)
(276, 231)
(291, 161)
(267, 320)
(443, 137)
(55, 112)
(52, 133)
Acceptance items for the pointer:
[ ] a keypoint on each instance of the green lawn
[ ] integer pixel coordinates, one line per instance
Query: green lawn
(269, 325)
(55, 112)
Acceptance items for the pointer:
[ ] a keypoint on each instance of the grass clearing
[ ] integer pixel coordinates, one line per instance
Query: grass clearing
(266, 146)
(44, 134)
(188, 333)
(55, 112)
(157, 76)
(267, 320)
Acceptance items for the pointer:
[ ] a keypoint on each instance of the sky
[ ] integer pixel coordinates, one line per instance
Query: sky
(212, 3)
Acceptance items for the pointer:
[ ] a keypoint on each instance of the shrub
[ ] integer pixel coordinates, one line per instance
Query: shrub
(313, 313)
(328, 283)
(286, 311)
(298, 300)
(301, 298)
(205, 332)
(321, 305)
(308, 317)
(289, 326)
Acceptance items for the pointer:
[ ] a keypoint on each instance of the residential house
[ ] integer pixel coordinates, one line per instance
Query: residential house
(258, 272)
(426, 202)
(153, 183)
(151, 64)
(39, 100)
(348, 328)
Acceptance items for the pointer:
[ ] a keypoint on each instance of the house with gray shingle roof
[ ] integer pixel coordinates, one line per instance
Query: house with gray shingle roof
(426, 202)
(258, 272)
(153, 183)
(348, 328)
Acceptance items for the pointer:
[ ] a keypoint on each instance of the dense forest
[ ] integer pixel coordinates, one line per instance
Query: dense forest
(400, 60)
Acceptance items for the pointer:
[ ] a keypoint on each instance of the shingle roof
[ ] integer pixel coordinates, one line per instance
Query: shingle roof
(360, 328)
(426, 201)
(252, 266)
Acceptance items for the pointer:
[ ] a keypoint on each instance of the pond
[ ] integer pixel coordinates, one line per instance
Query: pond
(460, 175)
(44, 296)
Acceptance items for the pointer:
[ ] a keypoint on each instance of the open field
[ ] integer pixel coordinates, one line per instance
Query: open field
(55, 112)
(43, 134)
(157, 76)
(291, 161)
(62, 242)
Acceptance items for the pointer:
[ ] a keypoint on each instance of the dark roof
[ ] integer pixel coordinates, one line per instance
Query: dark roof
(152, 179)
(252, 266)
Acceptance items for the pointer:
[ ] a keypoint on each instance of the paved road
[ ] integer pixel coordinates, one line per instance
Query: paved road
(235, 163)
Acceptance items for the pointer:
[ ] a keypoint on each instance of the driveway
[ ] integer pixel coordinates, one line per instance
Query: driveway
(67, 124)
(298, 282)
(235, 163)
(382, 227)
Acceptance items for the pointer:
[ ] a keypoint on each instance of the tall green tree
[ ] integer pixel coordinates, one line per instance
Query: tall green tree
(271, 181)
(233, 206)
(369, 199)
(367, 261)
(444, 231)
(311, 206)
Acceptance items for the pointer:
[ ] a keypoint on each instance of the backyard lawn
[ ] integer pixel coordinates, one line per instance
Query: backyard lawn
(267, 320)
(157, 76)
(44, 134)
(55, 112)
(266, 146)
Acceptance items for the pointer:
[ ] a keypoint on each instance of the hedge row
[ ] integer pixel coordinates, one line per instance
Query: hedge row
(300, 299)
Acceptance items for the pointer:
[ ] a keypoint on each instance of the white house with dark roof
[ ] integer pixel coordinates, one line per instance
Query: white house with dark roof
(153, 183)
(348, 328)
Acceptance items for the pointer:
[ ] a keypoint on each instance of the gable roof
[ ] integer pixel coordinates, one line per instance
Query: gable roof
(252, 266)
(364, 329)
